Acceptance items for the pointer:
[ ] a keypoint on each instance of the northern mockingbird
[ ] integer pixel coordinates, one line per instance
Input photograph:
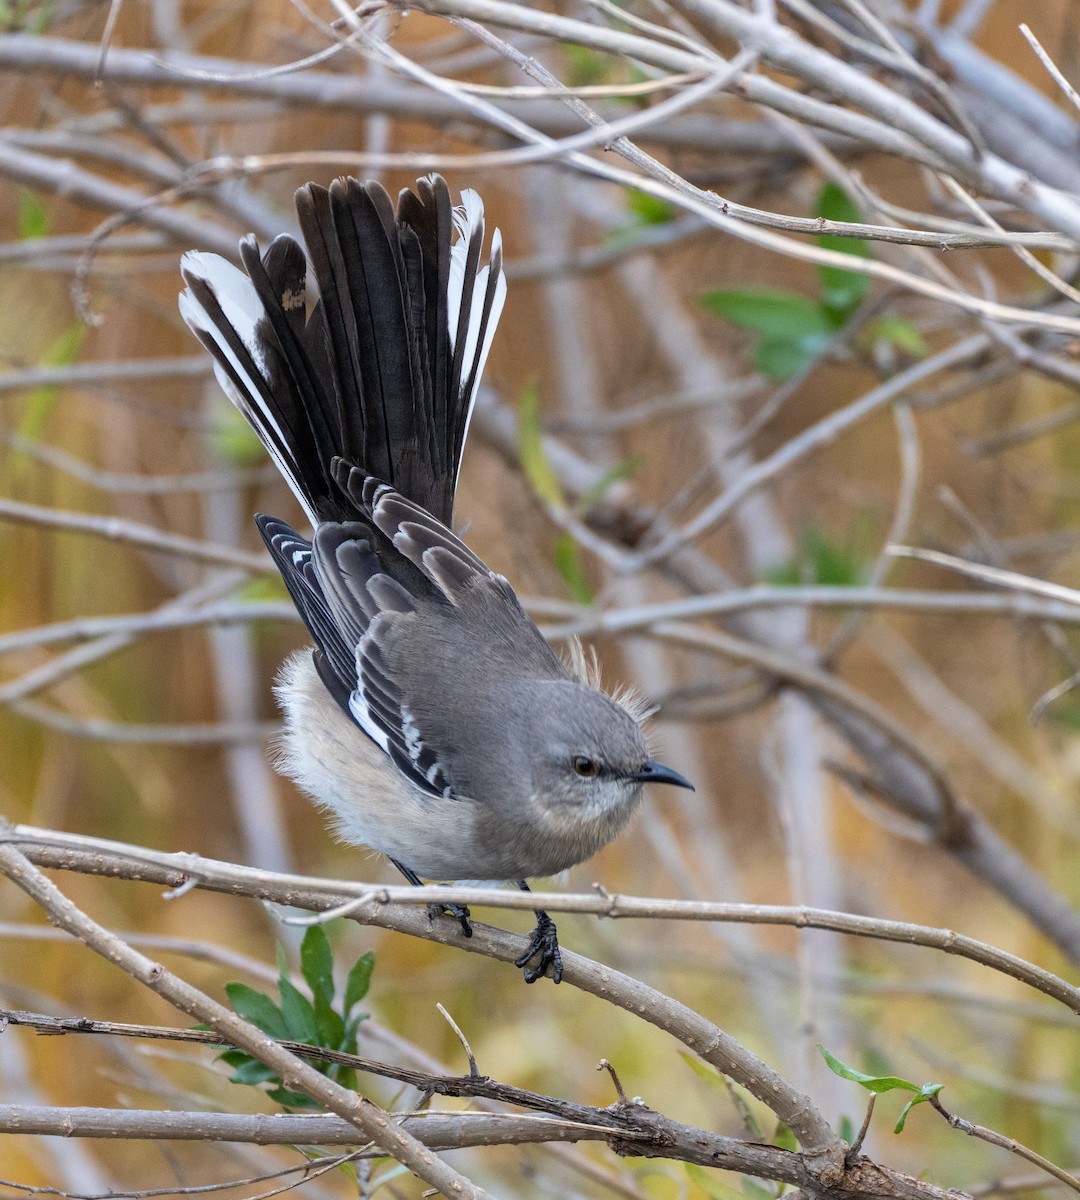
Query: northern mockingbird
(432, 722)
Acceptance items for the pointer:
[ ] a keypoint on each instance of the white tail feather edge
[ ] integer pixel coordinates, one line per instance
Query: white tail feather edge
(242, 308)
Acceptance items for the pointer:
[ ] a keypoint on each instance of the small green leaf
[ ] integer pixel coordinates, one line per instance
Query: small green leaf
(845, 1129)
(781, 359)
(257, 1008)
(925, 1092)
(714, 1188)
(359, 980)
(775, 314)
(899, 333)
(585, 66)
(351, 1027)
(784, 1138)
(648, 209)
(842, 291)
(317, 962)
(571, 569)
(41, 401)
(290, 1099)
(234, 1057)
(33, 219)
(902, 1120)
(262, 589)
(834, 204)
(299, 1014)
(329, 1024)
(252, 1073)
(534, 460)
(625, 468)
(872, 1083)
(388, 1176)
(712, 1078)
(233, 440)
(827, 559)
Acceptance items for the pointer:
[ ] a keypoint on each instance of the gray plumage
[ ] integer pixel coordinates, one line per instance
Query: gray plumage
(485, 756)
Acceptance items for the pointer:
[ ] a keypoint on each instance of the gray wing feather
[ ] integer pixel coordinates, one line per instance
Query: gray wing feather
(367, 605)
(421, 613)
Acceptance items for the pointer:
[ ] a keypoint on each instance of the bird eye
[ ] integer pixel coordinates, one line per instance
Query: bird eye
(587, 768)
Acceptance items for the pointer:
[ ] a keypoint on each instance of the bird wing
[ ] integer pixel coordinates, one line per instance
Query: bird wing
(400, 589)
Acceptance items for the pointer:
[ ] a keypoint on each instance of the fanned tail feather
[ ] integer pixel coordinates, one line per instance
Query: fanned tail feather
(384, 372)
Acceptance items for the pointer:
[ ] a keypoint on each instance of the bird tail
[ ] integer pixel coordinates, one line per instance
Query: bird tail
(385, 370)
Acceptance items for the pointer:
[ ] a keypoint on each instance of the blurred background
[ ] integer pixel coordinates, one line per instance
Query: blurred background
(648, 364)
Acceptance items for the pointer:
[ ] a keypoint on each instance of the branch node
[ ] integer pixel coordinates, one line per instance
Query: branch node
(604, 1065)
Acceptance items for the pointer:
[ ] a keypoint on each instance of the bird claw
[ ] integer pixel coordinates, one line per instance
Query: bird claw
(544, 947)
(460, 911)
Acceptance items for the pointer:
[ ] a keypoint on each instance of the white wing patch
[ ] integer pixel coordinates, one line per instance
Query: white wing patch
(362, 714)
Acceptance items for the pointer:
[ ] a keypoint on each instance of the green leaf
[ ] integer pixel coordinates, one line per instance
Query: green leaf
(351, 1027)
(832, 564)
(345, 1076)
(329, 1024)
(781, 359)
(33, 219)
(834, 204)
(571, 569)
(257, 1008)
(41, 401)
(902, 1120)
(714, 1188)
(585, 66)
(359, 980)
(625, 468)
(775, 314)
(299, 1014)
(784, 1138)
(262, 589)
(712, 1078)
(388, 1176)
(899, 333)
(290, 1099)
(826, 559)
(648, 209)
(317, 962)
(842, 291)
(534, 460)
(925, 1092)
(252, 1073)
(872, 1083)
(233, 440)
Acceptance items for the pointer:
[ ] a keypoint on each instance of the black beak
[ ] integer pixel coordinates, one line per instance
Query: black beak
(654, 772)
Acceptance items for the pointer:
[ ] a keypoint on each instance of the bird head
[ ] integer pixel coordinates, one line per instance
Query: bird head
(586, 754)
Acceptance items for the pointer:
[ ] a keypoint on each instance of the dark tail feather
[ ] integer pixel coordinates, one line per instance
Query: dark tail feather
(242, 324)
(384, 373)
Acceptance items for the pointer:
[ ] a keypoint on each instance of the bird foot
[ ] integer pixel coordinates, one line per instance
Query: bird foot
(544, 948)
(460, 911)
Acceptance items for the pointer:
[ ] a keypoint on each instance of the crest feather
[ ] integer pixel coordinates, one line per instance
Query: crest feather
(584, 664)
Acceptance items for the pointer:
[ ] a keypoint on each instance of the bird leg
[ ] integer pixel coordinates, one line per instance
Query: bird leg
(543, 947)
(460, 911)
